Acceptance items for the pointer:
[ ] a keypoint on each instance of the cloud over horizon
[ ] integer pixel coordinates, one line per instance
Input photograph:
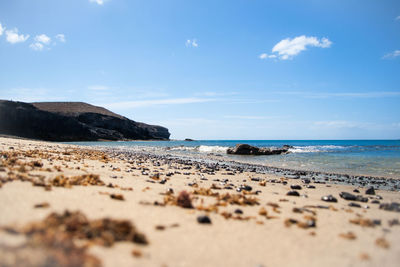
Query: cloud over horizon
(99, 2)
(13, 37)
(392, 55)
(192, 43)
(1, 29)
(289, 48)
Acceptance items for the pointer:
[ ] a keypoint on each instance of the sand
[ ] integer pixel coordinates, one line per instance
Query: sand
(261, 236)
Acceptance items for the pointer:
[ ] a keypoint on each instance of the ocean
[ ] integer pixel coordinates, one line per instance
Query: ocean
(379, 158)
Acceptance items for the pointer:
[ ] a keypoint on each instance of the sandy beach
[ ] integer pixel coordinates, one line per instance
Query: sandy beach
(146, 210)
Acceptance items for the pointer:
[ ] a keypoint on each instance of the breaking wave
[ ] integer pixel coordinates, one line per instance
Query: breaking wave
(316, 149)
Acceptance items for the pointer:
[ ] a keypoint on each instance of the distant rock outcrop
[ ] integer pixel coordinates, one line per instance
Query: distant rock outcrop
(72, 121)
(245, 149)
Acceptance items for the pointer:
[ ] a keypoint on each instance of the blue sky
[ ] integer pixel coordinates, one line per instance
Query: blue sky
(207, 69)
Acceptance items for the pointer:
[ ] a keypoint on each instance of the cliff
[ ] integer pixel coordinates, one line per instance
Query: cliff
(72, 121)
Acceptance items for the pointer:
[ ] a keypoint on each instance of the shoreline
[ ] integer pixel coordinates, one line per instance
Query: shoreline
(382, 182)
(178, 212)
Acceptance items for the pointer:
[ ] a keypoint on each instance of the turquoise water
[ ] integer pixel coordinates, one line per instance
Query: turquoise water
(365, 157)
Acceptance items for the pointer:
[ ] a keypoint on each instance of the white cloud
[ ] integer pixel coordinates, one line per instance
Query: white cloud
(13, 36)
(1, 29)
(339, 124)
(392, 55)
(37, 46)
(99, 2)
(192, 43)
(61, 37)
(240, 117)
(43, 38)
(265, 56)
(322, 95)
(157, 102)
(288, 48)
(397, 18)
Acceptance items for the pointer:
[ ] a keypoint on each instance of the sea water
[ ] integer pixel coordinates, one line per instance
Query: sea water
(359, 157)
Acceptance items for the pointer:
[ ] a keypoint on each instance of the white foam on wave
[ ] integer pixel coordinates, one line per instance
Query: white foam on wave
(213, 149)
(201, 149)
(315, 149)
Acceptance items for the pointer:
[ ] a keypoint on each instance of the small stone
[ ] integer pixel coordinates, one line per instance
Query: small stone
(370, 191)
(394, 206)
(393, 222)
(42, 205)
(238, 211)
(356, 191)
(293, 193)
(361, 199)
(204, 219)
(348, 196)
(295, 187)
(117, 196)
(355, 205)
(310, 186)
(329, 198)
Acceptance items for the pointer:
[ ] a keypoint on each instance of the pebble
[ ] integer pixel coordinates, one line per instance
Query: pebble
(204, 219)
(310, 186)
(394, 206)
(293, 193)
(238, 211)
(329, 198)
(352, 197)
(370, 191)
(347, 196)
(352, 204)
(295, 187)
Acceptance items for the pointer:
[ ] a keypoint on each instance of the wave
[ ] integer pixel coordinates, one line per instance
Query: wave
(316, 149)
(201, 149)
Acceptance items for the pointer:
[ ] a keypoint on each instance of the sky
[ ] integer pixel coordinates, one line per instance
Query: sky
(207, 69)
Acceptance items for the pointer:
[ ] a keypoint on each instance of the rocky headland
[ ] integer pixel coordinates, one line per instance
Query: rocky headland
(72, 121)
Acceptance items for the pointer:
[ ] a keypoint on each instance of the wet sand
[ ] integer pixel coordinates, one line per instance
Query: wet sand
(252, 220)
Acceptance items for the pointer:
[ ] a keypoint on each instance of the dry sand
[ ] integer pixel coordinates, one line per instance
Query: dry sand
(261, 236)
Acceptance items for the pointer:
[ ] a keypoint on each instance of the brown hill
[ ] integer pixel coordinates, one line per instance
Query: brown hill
(72, 121)
(73, 108)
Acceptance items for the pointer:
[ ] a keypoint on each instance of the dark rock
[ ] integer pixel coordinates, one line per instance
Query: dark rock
(189, 140)
(246, 188)
(348, 196)
(356, 191)
(329, 198)
(238, 211)
(370, 191)
(293, 193)
(361, 199)
(295, 187)
(245, 149)
(355, 205)
(287, 146)
(72, 121)
(310, 186)
(393, 222)
(375, 201)
(394, 206)
(204, 219)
